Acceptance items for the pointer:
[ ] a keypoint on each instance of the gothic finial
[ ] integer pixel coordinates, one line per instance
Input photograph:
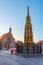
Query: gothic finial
(27, 10)
(10, 29)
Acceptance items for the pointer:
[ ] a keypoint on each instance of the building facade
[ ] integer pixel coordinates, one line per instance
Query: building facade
(7, 40)
(28, 34)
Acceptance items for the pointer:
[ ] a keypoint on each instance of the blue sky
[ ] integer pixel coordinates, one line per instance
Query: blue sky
(13, 14)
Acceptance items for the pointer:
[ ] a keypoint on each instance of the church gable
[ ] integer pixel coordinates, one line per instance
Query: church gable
(7, 40)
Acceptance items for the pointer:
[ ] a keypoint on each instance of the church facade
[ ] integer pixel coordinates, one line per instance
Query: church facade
(7, 40)
(28, 34)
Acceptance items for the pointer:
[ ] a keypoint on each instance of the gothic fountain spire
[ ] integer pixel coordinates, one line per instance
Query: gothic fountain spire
(28, 10)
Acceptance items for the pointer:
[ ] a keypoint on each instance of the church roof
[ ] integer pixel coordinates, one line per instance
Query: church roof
(3, 36)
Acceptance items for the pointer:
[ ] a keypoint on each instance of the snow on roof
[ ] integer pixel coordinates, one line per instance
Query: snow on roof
(3, 36)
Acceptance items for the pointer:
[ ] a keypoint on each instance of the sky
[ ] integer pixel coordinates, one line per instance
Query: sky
(13, 14)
